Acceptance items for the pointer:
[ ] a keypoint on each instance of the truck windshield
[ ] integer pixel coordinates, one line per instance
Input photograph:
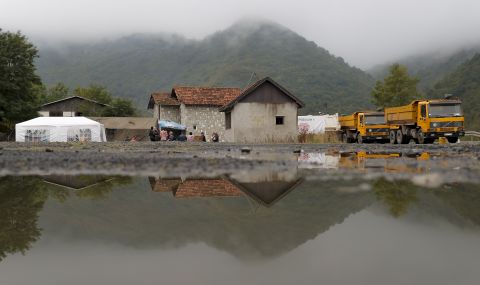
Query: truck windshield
(445, 110)
(374, 120)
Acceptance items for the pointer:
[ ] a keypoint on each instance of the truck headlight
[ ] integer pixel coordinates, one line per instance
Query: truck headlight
(435, 125)
(369, 130)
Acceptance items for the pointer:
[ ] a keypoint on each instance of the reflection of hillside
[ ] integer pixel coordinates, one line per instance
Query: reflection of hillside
(464, 198)
(139, 217)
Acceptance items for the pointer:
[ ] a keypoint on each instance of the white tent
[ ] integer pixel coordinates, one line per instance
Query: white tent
(60, 129)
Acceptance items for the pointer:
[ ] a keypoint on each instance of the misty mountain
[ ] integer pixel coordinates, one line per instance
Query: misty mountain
(463, 82)
(430, 67)
(134, 66)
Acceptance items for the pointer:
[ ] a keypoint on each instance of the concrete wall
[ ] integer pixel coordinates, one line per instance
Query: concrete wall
(255, 123)
(207, 119)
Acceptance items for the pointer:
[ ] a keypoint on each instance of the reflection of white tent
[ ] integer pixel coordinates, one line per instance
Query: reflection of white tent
(59, 129)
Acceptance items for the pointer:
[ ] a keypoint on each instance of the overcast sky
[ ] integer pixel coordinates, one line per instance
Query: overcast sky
(363, 32)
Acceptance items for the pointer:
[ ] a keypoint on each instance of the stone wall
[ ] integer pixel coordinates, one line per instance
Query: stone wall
(170, 113)
(255, 123)
(205, 119)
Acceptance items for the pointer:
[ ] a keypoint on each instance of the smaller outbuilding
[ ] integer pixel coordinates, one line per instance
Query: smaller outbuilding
(124, 128)
(60, 129)
(265, 112)
(70, 107)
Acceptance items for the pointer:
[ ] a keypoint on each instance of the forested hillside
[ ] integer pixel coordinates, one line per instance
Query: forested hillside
(464, 83)
(429, 68)
(134, 66)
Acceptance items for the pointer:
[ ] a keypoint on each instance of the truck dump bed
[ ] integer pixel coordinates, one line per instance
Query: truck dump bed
(348, 122)
(402, 115)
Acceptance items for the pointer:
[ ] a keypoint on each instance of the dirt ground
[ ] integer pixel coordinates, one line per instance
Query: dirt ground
(209, 159)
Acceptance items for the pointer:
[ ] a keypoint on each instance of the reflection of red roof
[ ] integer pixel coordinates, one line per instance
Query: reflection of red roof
(206, 188)
(162, 98)
(163, 185)
(211, 96)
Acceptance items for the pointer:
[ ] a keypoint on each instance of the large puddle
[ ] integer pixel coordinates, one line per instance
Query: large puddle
(324, 218)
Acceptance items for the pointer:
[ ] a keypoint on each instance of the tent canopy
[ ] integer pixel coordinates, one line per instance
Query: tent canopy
(59, 129)
(163, 124)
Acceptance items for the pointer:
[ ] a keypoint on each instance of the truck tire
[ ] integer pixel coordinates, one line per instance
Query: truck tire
(345, 138)
(359, 139)
(452, 139)
(420, 137)
(401, 137)
(393, 137)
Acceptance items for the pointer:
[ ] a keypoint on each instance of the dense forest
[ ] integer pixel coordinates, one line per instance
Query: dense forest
(132, 67)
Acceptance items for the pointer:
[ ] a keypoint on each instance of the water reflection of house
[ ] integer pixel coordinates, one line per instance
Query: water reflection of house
(76, 182)
(264, 191)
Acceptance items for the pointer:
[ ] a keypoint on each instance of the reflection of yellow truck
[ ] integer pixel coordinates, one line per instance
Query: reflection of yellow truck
(364, 127)
(425, 120)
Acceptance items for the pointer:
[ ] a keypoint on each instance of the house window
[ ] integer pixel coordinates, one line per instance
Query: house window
(279, 120)
(228, 120)
(55, 114)
(194, 127)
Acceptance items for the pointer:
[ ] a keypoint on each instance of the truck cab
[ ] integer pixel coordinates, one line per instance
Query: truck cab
(362, 127)
(440, 118)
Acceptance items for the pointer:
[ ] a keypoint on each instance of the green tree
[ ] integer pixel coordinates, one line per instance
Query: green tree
(52, 93)
(397, 89)
(18, 101)
(120, 108)
(116, 107)
(94, 92)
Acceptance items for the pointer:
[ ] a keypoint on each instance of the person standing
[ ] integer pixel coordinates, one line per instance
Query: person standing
(215, 137)
(171, 136)
(202, 137)
(151, 134)
(163, 135)
(190, 137)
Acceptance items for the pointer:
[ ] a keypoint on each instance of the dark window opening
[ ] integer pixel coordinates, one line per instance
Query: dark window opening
(55, 114)
(194, 127)
(228, 121)
(423, 111)
(79, 114)
(279, 120)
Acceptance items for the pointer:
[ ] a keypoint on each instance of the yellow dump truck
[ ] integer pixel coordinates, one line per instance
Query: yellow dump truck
(363, 127)
(424, 121)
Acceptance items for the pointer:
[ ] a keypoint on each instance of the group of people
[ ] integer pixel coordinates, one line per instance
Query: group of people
(164, 135)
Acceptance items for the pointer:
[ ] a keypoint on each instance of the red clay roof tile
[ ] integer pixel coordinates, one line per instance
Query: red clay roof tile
(212, 96)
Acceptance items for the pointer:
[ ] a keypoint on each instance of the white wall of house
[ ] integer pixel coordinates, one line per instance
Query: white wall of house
(256, 123)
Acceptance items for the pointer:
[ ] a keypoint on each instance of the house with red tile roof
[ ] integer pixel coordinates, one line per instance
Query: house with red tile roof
(194, 107)
(265, 112)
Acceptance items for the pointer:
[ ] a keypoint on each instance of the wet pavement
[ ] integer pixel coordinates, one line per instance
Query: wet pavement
(303, 214)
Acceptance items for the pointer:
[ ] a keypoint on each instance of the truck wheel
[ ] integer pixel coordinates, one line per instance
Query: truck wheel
(452, 139)
(429, 140)
(420, 137)
(401, 138)
(393, 137)
(359, 138)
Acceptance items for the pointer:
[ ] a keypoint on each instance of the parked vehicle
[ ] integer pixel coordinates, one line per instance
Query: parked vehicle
(424, 121)
(364, 127)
